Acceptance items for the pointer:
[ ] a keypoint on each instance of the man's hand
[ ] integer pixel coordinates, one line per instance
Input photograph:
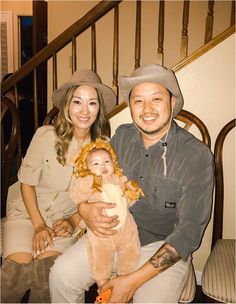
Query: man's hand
(122, 289)
(93, 215)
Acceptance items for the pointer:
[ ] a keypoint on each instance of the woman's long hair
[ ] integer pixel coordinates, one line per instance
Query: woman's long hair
(64, 127)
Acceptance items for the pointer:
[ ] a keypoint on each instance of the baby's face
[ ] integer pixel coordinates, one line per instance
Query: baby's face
(100, 163)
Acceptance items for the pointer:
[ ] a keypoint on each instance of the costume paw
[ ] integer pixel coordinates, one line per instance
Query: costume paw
(103, 297)
(133, 190)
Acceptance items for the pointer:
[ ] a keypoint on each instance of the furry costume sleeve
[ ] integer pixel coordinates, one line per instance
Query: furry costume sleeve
(81, 189)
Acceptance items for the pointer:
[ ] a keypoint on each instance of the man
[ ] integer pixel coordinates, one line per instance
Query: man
(175, 171)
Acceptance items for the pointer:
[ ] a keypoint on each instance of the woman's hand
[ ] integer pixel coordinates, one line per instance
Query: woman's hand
(63, 227)
(43, 237)
(92, 214)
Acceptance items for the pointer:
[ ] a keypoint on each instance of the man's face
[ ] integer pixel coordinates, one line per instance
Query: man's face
(151, 107)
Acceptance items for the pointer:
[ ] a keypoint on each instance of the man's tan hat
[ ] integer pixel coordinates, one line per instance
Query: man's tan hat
(89, 78)
(153, 73)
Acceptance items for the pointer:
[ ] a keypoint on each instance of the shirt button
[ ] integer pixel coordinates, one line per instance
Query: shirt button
(141, 177)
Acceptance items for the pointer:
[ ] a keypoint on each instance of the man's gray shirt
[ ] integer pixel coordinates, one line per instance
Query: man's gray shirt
(176, 207)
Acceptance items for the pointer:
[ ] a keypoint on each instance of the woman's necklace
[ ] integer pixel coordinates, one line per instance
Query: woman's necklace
(75, 151)
(80, 143)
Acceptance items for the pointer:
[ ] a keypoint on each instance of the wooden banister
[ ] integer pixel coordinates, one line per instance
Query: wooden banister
(219, 38)
(121, 106)
(36, 114)
(232, 19)
(137, 35)
(62, 40)
(116, 50)
(160, 49)
(74, 61)
(54, 71)
(209, 21)
(93, 48)
(184, 38)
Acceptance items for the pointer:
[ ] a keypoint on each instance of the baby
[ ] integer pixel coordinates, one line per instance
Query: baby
(99, 178)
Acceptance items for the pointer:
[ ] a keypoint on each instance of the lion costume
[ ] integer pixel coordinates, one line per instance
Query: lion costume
(115, 189)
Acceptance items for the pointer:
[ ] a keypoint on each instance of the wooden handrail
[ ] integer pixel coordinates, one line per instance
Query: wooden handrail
(62, 40)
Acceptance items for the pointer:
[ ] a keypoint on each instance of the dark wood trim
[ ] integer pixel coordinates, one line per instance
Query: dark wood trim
(121, 106)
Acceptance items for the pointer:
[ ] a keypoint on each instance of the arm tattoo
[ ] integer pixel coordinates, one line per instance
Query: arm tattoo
(164, 257)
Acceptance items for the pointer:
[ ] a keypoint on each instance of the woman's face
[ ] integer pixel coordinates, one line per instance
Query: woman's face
(84, 107)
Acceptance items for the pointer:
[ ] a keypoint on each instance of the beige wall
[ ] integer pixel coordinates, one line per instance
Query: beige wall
(208, 87)
(18, 8)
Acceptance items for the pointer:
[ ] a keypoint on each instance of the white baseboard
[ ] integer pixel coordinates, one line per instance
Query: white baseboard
(198, 275)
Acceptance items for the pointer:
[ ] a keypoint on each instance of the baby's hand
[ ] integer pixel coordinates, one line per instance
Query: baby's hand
(133, 190)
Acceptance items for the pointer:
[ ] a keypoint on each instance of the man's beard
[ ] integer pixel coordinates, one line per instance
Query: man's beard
(148, 132)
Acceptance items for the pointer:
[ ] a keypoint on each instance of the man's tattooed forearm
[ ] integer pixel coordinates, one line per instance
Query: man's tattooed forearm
(164, 258)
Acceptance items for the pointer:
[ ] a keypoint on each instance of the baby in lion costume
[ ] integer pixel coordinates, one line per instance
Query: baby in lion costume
(99, 178)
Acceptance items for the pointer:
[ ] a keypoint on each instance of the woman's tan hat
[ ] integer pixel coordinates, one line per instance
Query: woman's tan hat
(89, 78)
(156, 74)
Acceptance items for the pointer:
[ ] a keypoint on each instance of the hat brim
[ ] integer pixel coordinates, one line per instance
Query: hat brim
(166, 79)
(108, 95)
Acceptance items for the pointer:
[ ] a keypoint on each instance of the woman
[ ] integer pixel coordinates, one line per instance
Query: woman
(41, 223)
